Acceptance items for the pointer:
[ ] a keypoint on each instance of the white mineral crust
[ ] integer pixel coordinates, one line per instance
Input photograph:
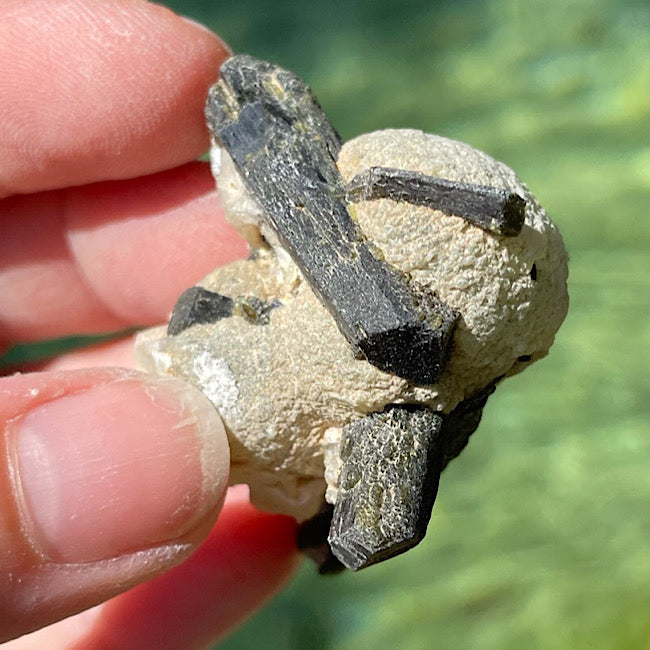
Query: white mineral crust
(286, 388)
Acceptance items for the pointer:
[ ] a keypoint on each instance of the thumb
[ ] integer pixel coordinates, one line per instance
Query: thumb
(107, 477)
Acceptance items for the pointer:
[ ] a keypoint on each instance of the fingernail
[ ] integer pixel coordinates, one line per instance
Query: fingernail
(123, 466)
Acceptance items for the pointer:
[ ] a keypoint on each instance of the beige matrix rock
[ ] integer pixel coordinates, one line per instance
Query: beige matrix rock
(280, 387)
(282, 375)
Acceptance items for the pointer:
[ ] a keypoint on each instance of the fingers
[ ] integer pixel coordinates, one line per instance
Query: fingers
(118, 354)
(107, 478)
(109, 255)
(93, 90)
(246, 559)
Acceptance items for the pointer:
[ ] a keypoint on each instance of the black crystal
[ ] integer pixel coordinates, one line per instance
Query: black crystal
(283, 145)
(387, 484)
(463, 420)
(198, 305)
(495, 210)
(311, 539)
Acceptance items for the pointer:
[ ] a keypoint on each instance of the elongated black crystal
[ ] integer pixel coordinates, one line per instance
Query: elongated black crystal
(387, 484)
(495, 210)
(283, 145)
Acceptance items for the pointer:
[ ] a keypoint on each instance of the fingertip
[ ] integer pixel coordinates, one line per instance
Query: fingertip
(110, 255)
(111, 477)
(247, 558)
(122, 465)
(91, 90)
(140, 243)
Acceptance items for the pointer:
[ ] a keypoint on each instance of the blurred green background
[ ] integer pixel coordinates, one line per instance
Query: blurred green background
(541, 533)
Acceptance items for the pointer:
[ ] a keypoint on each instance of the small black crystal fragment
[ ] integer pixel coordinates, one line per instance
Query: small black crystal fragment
(387, 484)
(463, 420)
(313, 531)
(312, 541)
(198, 305)
(497, 211)
(283, 145)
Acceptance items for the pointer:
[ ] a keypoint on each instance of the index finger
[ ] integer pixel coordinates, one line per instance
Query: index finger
(109, 255)
(93, 90)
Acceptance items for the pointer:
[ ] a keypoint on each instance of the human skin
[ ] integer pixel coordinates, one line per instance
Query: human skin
(100, 202)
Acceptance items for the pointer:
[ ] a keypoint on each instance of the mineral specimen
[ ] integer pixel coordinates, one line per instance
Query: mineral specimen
(396, 280)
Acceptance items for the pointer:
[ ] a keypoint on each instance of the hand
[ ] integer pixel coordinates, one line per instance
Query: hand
(110, 477)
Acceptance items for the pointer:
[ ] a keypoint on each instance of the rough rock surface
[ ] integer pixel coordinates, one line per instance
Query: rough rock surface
(286, 388)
